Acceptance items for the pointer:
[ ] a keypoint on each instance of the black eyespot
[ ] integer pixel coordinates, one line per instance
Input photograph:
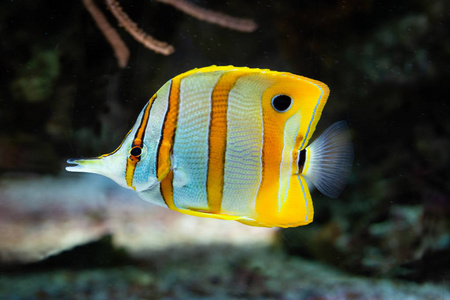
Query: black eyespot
(281, 103)
(136, 151)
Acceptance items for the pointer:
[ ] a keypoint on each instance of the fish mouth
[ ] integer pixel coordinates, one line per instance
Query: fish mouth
(74, 162)
(85, 165)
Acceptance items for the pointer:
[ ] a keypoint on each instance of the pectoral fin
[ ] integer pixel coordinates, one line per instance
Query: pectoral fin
(329, 160)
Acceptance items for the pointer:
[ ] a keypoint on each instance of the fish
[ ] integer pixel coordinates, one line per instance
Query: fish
(232, 143)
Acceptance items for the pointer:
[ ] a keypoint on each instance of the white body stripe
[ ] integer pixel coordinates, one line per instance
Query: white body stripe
(142, 178)
(190, 150)
(304, 196)
(155, 125)
(290, 132)
(242, 174)
(151, 141)
(145, 173)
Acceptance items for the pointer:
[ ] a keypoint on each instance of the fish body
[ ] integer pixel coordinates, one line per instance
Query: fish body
(231, 143)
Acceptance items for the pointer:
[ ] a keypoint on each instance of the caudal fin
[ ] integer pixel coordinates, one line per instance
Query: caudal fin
(329, 159)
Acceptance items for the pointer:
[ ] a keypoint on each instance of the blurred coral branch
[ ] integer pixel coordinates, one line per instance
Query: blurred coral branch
(121, 50)
(139, 35)
(213, 17)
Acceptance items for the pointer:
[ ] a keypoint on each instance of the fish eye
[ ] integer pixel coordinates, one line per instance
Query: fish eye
(136, 151)
(281, 103)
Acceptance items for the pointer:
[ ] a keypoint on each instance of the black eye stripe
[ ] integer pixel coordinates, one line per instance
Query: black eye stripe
(281, 103)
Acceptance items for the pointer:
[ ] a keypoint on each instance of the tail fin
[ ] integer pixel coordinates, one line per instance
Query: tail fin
(329, 159)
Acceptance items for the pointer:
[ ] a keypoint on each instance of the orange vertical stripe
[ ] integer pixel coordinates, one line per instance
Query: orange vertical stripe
(168, 131)
(218, 139)
(138, 141)
(166, 188)
(139, 137)
(266, 206)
